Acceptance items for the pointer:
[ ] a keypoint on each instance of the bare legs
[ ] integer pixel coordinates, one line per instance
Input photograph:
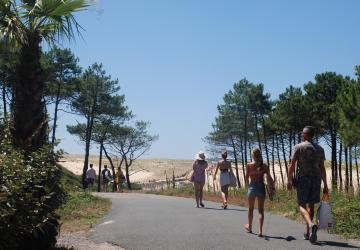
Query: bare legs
(119, 187)
(224, 194)
(307, 212)
(261, 201)
(105, 185)
(251, 201)
(198, 193)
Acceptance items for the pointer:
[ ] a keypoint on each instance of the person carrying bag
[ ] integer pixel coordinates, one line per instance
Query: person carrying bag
(324, 216)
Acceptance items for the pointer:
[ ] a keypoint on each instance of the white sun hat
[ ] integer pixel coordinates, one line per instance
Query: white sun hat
(200, 156)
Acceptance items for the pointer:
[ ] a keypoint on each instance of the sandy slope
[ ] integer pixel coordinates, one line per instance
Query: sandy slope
(143, 170)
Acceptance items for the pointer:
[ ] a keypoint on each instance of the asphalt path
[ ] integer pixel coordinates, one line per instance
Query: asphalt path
(141, 221)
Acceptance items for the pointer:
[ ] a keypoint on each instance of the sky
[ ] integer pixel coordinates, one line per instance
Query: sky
(175, 60)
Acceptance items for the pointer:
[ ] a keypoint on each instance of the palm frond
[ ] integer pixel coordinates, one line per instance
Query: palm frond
(56, 18)
(11, 27)
(51, 19)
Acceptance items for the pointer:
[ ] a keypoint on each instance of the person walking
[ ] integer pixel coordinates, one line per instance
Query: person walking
(310, 158)
(198, 177)
(106, 175)
(225, 167)
(256, 170)
(119, 180)
(90, 177)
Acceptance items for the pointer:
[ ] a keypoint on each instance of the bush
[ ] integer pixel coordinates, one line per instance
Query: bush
(29, 194)
(346, 209)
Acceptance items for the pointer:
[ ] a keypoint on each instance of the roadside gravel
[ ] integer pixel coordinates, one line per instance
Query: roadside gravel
(80, 241)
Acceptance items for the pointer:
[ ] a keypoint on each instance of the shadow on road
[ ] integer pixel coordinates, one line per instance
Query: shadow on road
(319, 243)
(288, 238)
(228, 209)
(335, 244)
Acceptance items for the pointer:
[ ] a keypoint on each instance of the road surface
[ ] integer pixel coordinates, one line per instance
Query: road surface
(140, 221)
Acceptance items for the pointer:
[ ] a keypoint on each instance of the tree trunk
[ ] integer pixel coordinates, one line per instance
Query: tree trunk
(265, 140)
(236, 162)
(29, 120)
(290, 145)
(242, 160)
(340, 163)
(111, 164)
(87, 151)
(127, 174)
(100, 164)
(350, 167)
(280, 165)
(357, 168)
(57, 101)
(346, 169)
(257, 132)
(250, 155)
(4, 100)
(333, 159)
(89, 127)
(284, 154)
(273, 157)
(245, 138)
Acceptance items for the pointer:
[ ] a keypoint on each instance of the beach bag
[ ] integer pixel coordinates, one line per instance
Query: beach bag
(107, 176)
(324, 215)
(232, 179)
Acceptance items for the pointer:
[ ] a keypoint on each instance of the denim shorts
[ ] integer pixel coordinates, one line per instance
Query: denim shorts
(256, 189)
(308, 189)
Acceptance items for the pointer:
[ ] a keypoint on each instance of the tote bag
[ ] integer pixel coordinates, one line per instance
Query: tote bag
(324, 214)
(232, 179)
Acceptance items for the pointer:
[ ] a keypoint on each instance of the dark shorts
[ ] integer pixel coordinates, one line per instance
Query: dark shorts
(256, 189)
(308, 189)
(90, 181)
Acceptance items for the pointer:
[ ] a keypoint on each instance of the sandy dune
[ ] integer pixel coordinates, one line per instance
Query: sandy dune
(143, 170)
(148, 170)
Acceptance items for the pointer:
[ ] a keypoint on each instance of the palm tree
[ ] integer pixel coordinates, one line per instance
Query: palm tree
(26, 24)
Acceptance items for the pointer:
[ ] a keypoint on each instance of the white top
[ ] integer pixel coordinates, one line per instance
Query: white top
(90, 174)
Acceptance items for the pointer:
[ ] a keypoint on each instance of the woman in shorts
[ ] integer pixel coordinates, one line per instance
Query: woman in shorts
(256, 170)
(225, 167)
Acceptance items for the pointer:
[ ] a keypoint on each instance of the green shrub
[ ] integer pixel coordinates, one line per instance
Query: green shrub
(346, 209)
(30, 191)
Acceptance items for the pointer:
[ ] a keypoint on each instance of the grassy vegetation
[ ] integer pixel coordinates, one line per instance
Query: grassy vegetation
(346, 207)
(81, 210)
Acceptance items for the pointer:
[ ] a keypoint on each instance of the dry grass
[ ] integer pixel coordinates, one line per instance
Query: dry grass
(81, 211)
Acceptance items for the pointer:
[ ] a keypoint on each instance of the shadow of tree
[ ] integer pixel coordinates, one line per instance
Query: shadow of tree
(336, 244)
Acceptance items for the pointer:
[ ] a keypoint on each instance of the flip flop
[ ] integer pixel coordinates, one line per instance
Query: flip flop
(248, 228)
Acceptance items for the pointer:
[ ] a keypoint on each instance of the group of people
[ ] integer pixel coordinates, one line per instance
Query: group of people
(309, 158)
(107, 178)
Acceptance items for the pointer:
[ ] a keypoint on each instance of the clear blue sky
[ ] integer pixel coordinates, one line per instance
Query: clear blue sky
(176, 59)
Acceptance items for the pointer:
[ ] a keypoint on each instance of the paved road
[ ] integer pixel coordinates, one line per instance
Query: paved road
(139, 221)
